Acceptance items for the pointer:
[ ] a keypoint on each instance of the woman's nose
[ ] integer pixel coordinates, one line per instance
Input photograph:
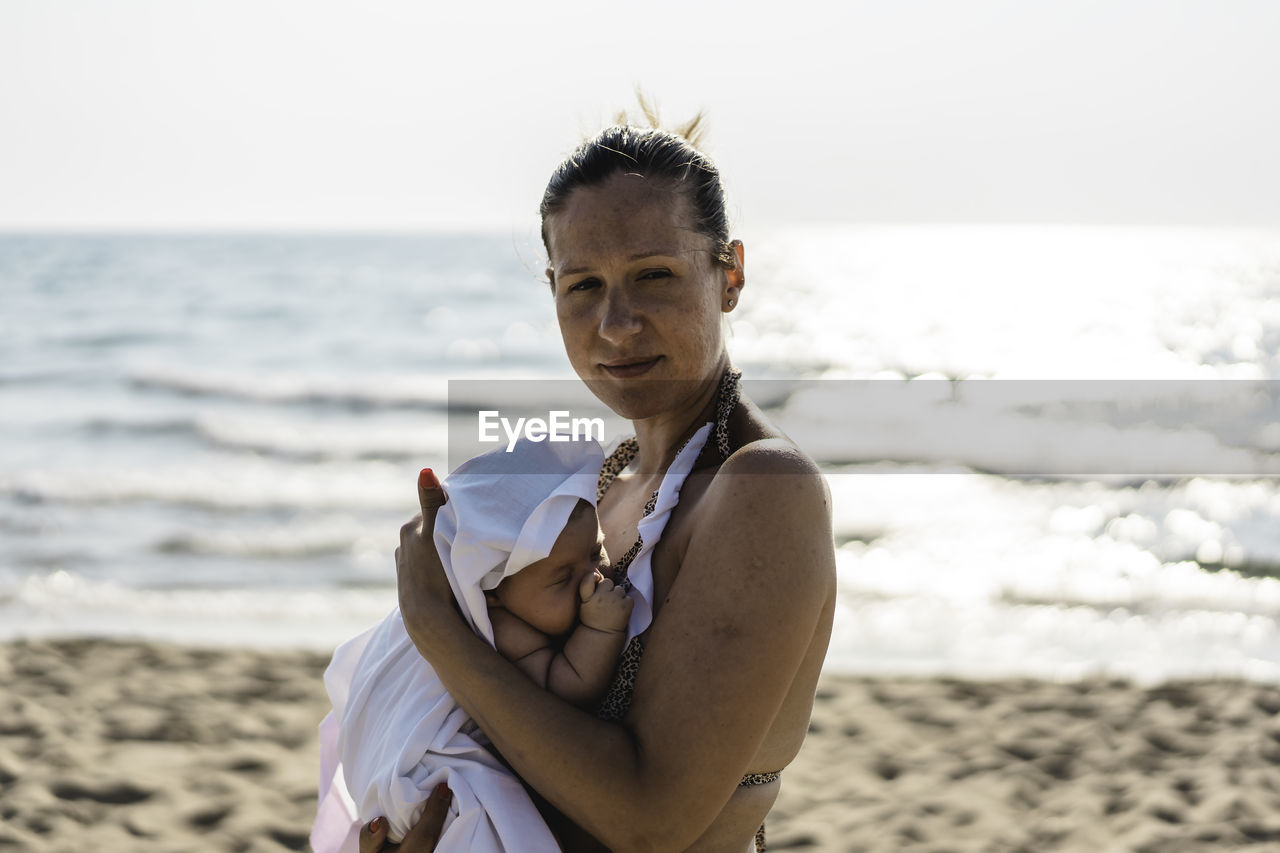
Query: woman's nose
(619, 320)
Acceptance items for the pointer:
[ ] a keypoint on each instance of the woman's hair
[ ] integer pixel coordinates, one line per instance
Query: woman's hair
(656, 154)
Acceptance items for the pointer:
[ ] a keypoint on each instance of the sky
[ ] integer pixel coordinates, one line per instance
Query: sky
(336, 114)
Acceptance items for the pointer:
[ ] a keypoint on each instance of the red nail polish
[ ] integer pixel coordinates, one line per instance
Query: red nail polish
(375, 826)
(442, 790)
(427, 479)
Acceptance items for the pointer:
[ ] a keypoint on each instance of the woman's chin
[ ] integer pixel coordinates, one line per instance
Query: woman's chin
(638, 399)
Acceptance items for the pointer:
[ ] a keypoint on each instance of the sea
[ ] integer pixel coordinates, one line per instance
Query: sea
(214, 438)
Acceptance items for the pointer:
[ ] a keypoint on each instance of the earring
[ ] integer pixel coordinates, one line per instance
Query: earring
(732, 302)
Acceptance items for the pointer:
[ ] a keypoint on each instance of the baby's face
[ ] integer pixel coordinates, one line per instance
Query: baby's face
(545, 594)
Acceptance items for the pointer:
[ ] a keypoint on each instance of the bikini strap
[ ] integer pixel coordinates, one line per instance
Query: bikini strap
(727, 397)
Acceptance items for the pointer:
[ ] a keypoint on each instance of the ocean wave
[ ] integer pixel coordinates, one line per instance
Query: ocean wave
(322, 537)
(140, 426)
(1031, 429)
(915, 636)
(358, 393)
(1180, 587)
(1202, 545)
(247, 484)
(293, 440)
(1183, 587)
(66, 604)
(509, 385)
(933, 637)
(316, 441)
(89, 339)
(39, 376)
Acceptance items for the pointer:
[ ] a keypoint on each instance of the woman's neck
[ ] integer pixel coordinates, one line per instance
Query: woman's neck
(661, 437)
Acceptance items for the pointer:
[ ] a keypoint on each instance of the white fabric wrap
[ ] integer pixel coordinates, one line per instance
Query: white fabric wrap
(394, 732)
(640, 572)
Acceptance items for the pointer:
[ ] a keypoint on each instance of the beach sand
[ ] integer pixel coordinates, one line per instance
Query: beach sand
(119, 746)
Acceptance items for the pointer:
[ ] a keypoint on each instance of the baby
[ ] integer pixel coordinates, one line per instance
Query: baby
(522, 547)
(533, 609)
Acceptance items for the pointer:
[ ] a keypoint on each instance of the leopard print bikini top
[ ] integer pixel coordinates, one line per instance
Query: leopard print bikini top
(618, 698)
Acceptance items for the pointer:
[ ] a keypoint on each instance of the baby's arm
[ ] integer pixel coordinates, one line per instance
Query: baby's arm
(581, 673)
(522, 644)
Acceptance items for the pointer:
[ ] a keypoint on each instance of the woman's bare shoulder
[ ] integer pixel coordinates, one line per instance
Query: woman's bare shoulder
(764, 466)
(772, 455)
(764, 453)
(762, 447)
(773, 495)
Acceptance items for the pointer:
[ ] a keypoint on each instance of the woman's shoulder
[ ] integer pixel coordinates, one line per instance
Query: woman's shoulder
(771, 455)
(764, 514)
(766, 487)
(759, 446)
(768, 478)
(770, 482)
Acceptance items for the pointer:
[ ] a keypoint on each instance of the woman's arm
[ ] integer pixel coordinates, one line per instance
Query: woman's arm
(719, 661)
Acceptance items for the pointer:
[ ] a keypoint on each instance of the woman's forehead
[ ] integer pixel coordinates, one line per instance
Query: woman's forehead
(626, 216)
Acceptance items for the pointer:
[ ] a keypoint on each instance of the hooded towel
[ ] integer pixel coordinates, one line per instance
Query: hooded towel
(395, 733)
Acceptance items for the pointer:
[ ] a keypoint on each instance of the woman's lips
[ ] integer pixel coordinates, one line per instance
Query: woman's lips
(630, 368)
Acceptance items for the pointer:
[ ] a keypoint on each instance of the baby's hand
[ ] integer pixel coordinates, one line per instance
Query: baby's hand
(605, 607)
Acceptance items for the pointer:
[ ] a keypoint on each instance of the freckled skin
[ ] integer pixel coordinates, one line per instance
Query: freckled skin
(613, 305)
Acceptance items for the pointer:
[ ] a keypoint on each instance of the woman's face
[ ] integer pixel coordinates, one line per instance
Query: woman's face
(638, 293)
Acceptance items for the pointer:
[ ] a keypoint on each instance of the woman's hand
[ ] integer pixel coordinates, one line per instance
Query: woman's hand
(424, 835)
(426, 599)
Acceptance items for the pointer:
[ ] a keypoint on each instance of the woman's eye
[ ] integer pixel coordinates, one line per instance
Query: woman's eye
(655, 274)
(585, 284)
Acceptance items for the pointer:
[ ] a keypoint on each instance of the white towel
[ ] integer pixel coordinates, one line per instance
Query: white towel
(640, 572)
(490, 809)
(395, 732)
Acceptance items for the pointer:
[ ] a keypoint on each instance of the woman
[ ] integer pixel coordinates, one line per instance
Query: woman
(714, 698)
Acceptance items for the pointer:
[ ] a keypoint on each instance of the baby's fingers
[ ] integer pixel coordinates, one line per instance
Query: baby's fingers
(587, 587)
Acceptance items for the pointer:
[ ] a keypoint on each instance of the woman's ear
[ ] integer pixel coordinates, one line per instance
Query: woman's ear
(735, 276)
(551, 279)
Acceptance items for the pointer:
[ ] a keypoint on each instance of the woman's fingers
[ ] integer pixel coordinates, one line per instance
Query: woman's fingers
(425, 834)
(426, 598)
(430, 496)
(373, 835)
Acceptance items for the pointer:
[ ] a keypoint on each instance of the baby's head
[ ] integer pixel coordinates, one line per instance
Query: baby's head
(547, 593)
(525, 511)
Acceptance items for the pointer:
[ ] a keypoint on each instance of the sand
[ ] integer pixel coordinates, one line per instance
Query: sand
(118, 746)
